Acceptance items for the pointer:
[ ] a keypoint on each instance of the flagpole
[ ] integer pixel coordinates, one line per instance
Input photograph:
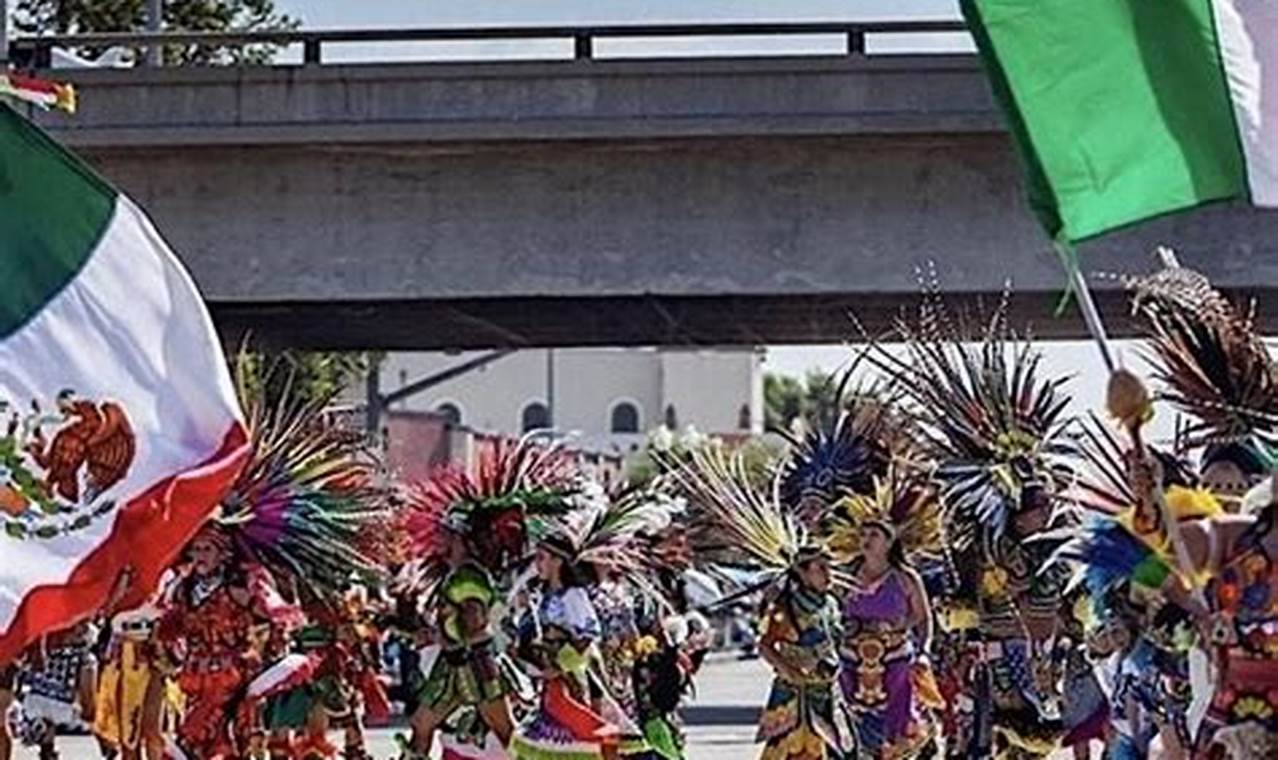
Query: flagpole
(1096, 326)
(1087, 305)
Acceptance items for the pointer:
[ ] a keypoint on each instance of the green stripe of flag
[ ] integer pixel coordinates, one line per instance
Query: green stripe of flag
(53, 210)
(1120, 107)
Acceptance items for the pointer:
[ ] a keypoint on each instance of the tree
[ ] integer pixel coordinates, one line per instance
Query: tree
(311, 375)
(782, 400)
(87, 16)
(786, 399)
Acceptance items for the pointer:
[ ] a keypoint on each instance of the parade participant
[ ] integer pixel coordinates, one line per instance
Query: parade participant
(647, 650)
(297, 514)
(887, 618)
(1214, 368)
(340, 682)
(1084, 707)
(1242, 555)
(8, 676)
(670, 648)
(616, 604)
(800, 634)
(130, 696)
(744, 528)
(58, 678)
(469, 533)
(559, 639)
(1001, 441)
(211, 630)
(1124, 551)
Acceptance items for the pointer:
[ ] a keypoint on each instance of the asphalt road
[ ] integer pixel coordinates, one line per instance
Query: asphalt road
(721, 717)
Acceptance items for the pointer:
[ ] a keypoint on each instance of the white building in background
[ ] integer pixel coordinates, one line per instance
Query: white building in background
(607, 399)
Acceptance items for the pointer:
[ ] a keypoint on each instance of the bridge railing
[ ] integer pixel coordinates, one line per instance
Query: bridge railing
(36, 51)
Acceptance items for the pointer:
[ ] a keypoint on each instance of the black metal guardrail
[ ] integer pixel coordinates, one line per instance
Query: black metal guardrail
(37, 51)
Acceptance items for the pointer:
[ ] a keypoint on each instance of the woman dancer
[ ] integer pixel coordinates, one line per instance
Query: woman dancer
(559, 638)
(887, 622)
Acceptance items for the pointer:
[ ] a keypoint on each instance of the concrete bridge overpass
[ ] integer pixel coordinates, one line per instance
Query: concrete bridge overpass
(596, 202)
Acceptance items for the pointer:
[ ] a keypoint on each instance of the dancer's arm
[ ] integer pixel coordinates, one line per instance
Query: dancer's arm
(774, 628)
(920, 610)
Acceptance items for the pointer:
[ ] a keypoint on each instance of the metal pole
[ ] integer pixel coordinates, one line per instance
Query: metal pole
(373, 401)
(4, 33)
(550, 387)
(154, 23)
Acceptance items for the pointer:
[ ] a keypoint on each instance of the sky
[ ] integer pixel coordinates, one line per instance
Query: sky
(387, 13)
(347, 14)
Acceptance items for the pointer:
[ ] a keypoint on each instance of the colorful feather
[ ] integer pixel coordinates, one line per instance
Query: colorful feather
(1208, 357)
(517, 489)
(307, 505)
(843, 454)
(736, 524)
(906, 504)
(1107, 554)
(994, 426)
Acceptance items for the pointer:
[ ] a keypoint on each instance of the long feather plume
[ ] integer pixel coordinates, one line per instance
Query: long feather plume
(989, 419)
(308, 504)
(1208, 357)
(737, 524)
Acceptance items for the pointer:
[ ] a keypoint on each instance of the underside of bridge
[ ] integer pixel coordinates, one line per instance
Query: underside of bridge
(627, 321)
(676, 203)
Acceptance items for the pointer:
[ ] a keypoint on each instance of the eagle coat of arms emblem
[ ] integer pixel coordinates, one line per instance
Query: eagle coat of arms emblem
(56, 466)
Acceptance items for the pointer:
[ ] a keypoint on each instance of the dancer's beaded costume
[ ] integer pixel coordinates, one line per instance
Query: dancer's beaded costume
(299, 515)
(999, 438)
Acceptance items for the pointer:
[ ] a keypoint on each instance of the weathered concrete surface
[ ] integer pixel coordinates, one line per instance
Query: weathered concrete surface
(610, 100)
(622, 203)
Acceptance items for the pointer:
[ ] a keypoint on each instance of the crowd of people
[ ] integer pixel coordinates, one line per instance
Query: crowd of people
(528, 613)
(956, 565)
(949, 563)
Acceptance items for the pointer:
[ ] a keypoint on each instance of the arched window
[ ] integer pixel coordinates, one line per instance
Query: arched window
(744, 418)
(451, 413)
(536, 416)
(672, 417)
(625, 418)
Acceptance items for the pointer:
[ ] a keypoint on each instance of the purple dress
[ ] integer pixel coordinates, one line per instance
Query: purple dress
(877, 655)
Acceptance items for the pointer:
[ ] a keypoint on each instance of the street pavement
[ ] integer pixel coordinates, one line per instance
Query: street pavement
(721, 717)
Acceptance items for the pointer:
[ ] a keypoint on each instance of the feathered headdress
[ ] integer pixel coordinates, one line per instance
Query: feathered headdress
(1111, 538)
(736, 524)
(1209, 358)
(517, 485)
(614, 531)
(611, 528)
(996, 429)
(906, 507)
(845, 453)
(307, 505)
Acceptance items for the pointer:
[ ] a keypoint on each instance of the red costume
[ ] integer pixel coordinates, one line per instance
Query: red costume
(213, 628)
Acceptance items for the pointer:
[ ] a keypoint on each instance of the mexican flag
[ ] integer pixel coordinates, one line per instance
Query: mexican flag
(1127, 109)
(119, 426)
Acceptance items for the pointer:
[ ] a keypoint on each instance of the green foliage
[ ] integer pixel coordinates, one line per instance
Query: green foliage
(813, 399)
(86, 16)
(311, 375)
(782, 400)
